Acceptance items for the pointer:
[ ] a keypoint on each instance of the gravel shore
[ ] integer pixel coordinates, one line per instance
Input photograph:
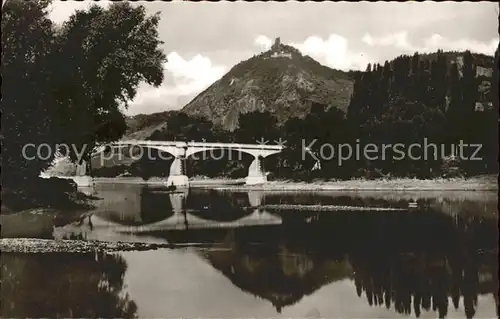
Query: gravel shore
(35, 245)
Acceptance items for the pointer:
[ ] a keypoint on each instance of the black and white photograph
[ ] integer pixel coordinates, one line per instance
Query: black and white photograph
(249, 159)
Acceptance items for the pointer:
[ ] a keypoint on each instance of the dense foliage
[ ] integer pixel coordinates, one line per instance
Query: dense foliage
(67, 84)
(414, 98)
(439, 99)
(27, 39)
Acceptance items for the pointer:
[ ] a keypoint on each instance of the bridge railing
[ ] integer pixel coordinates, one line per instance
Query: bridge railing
(198, 144)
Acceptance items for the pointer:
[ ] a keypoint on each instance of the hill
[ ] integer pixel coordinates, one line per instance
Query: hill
(284, 82)
(280, 80)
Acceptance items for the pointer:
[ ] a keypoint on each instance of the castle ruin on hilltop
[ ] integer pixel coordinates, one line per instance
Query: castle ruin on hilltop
(278, 50)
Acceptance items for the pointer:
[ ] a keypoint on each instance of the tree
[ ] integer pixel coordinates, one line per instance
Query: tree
(101, 56)
(464, 94)
(439, 81)
(255, 126)
(469, 84)
(67, 85)
(27, 40)
(496, 74)
(495, 83)
(454, 92)
(182, 127)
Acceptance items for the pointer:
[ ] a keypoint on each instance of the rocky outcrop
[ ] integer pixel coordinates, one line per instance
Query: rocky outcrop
(281, 81)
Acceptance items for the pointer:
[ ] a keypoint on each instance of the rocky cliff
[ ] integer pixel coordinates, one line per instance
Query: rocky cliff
(281, 81)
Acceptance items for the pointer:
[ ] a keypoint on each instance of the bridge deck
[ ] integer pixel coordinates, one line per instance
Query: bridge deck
(199, 144)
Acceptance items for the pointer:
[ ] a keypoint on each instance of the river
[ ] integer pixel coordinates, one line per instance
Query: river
(253, 254)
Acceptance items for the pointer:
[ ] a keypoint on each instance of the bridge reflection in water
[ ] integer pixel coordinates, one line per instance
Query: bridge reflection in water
(413, 263)
(144, 209)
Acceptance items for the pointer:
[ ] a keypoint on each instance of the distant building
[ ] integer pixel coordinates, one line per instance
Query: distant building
(276, 45)
(278, 51)
(281, 55)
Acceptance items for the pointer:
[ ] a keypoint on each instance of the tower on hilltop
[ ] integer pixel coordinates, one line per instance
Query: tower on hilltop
(276, 45)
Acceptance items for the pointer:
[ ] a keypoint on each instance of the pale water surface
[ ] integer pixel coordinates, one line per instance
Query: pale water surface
(230, 259)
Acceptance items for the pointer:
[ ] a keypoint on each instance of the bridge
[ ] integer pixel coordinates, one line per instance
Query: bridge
(182, 150)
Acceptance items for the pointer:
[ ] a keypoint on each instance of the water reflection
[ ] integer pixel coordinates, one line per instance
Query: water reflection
(155, 209)
(437, 260)
(413, 283)
(64, 285)
(409, 274)
(217, 206)
(410, 262)
(130, 204)
(275, 273)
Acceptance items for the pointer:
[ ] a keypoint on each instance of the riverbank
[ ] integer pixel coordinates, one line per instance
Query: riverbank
(42, 193)
(195, 182)
(477, 183)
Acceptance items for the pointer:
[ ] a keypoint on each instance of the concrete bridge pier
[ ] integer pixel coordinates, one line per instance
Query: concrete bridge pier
(255, 198)
(177, 175)
(178, 201)
(256, 174)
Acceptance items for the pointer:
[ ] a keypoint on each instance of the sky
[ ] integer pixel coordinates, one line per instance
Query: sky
(203, 40)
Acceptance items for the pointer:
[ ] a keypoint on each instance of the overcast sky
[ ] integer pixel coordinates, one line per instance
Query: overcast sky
(204, 40)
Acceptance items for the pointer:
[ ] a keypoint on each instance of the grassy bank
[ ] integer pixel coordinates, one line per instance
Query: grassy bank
(43, 193)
